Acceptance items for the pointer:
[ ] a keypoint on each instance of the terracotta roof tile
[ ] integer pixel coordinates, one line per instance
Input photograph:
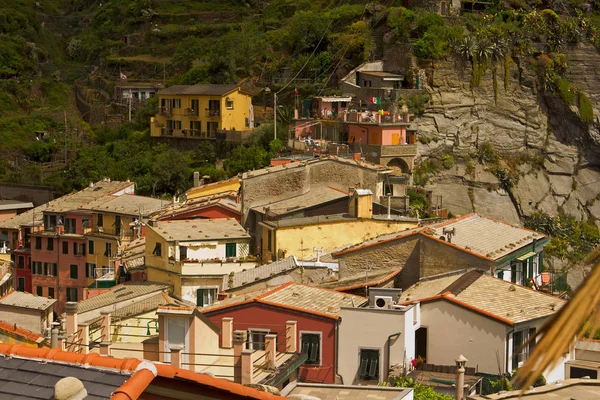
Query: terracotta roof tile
(139, 381)
(24, 333)
(294, 296)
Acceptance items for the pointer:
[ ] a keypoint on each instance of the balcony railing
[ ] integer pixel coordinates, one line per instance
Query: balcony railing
(189, 112)
(165, 111)
(212, 113)
(166, 132)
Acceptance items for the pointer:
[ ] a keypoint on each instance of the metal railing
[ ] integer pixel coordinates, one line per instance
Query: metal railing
(212, 113)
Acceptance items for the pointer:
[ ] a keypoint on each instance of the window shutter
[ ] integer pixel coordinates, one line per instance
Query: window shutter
(364, 364)
(314, 352)
(374, 365)
(532, 340)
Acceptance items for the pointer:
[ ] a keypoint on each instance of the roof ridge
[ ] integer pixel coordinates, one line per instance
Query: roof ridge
(275, 290)
(463, 249)
(523, 287)
(330, 290)
(369, 284)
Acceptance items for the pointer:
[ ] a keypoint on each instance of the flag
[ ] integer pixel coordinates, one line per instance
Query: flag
(123, 76)
(296, 91)
(375, 100)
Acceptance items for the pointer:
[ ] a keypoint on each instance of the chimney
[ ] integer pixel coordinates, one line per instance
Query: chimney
(91, 184)
(69, 388)
(291, 336)
(460, 377)
(247, 367)
(227, 332)
(361, 204)
(54, 335)
(205, 179)
(105, 326)
(196, 178)
(71, 320)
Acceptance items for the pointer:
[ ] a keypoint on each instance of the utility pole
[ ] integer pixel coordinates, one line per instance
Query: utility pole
(130, 95)
(275, 114)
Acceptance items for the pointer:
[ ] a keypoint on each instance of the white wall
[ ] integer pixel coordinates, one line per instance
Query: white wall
(208, 250)
(453, 330)
(369, 328)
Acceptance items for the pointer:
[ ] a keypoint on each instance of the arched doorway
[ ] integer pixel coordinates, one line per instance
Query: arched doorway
(400, 164)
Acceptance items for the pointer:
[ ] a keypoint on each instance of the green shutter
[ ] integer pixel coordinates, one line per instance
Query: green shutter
(230, 250)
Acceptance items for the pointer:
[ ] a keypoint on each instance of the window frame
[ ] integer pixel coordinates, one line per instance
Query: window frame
(39, 291)
(50, 244)
(369, 378)
(65, 247)
(519, 349)
(50, 292)
(229, 104)
(76, 269)
(319, 360)
(91, 246)
(208, 288)
(38, 242)
(228, 247)
(157, 249)
(21, 287)
(108, 249)
(250, 344)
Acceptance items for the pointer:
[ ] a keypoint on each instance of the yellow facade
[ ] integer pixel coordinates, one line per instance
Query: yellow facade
(229, 185)
(201, 116)
(300, 240)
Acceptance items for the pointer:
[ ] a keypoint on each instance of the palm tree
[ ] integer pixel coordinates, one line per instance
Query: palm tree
(497, 53)
(556, 337)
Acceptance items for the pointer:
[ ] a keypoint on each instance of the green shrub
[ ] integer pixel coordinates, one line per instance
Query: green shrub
(487, 153)
(565, 90)
(447, 161)
(586, 111)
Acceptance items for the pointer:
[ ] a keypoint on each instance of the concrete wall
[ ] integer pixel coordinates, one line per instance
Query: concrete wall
(32, 320)
(330, 235)
(402, 253)
(370, 328)
(437, 258)
(37, 195)
(299, 179)
(453, 330)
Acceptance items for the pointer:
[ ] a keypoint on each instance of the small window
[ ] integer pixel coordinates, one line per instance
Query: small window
(71, 294)
(369, 365)
(74, 273)
(183, 252)
(176, 103)
(50, 246)
(40, 291)
(54, 269)
(100, 220)
(65, 249)
(21, 284)
(21, 262)
(256, 338)
(205, 296)
(230, 250)
(90, 270)
(51, 292)
(269, 236)
(91, 246)
(46, 270)
(343, 104)
(75, 253)
(38, 243)
(108, 249)
(311, 346)
(157, 250)
(229, 104)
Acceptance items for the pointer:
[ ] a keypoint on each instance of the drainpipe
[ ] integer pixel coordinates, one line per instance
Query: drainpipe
(337, 347)
(507, 336)
(389, 351)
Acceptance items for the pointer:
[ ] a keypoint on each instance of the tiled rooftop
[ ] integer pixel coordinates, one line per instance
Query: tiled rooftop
(347, 392)
(310, 299)
(313, 197)
(128, 204)
(126, 291)
(302, 164)
(212, 185)
(259, 273)
(81, 199)
(225, 199)
(484, 236)
(35, 379)
(486, 294)
(201, 229)
(26, 300)
(13, 329)
(199, 90)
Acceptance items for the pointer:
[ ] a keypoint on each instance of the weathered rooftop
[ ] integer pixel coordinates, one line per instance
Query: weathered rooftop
(302, 164)
(199, 90)
(310, 299)
(382, 74)
(14, 205)
(128, 204)
(259, 273)
(580, 389)
(200, 229)
(496, 298)
(312, 198)
(212, 185)
(486, 237)
(347, 392)
(119, 293)
(320, 219)
(224, 199)
(83, 198)
(26, 300)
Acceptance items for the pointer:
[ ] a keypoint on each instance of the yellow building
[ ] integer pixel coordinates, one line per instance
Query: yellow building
(115, 223)
(201, 111)
(300, 236)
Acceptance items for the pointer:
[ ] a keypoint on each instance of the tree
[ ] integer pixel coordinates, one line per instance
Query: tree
(246, 159)
(170, 172)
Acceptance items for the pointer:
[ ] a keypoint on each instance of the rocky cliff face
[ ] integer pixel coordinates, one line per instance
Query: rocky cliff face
(555, 158)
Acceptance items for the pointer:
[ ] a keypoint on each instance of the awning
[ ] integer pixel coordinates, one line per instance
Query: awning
(527, 255)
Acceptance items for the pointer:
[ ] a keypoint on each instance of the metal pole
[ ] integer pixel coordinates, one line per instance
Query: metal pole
(275, 115)
(130, 105)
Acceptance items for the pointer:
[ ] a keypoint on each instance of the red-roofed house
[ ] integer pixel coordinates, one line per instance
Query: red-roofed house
(315, 310)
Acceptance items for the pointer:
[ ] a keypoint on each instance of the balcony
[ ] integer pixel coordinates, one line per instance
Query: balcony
(189, 112)
(212, 113)
(166, 132)
(166, 112)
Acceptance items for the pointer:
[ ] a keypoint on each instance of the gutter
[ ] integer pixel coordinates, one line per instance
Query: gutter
(507, 336)
(389, 351)
(337, 347)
